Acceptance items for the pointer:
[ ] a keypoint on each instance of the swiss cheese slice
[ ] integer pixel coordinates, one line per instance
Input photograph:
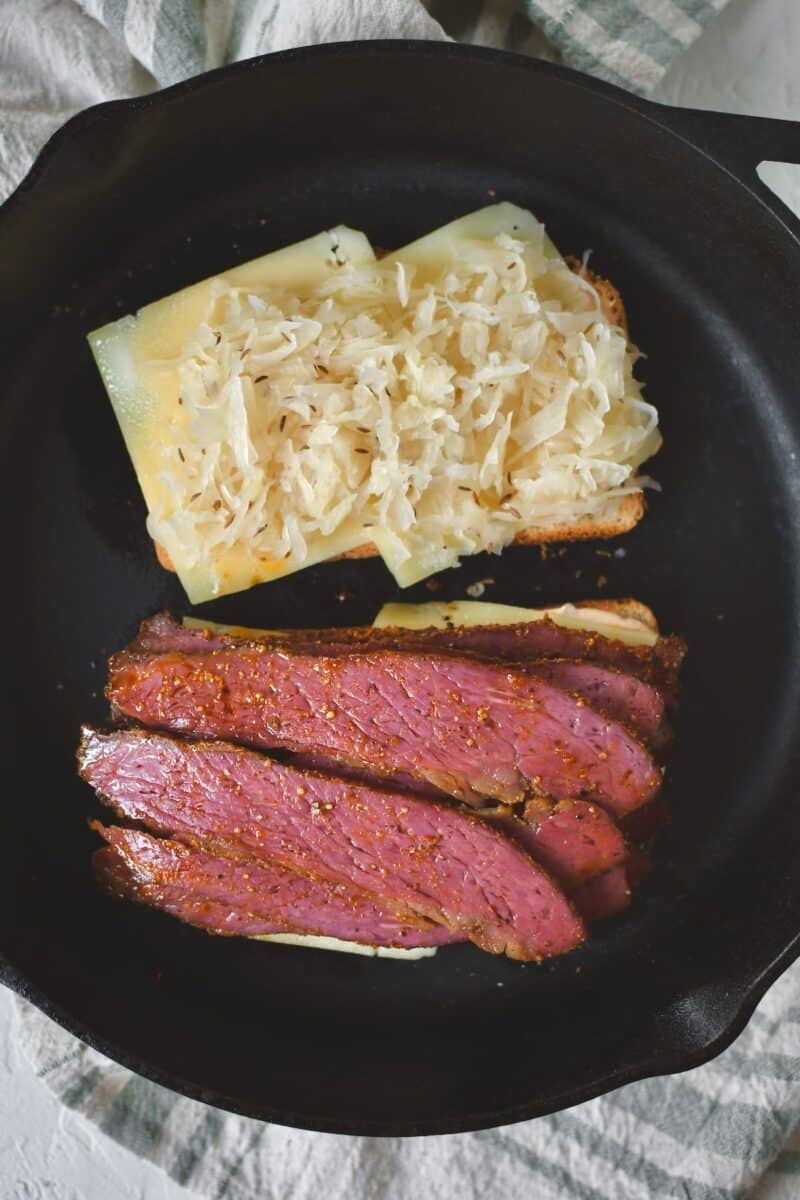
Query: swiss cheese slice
(138, 357)
(447, 615)
(466, 390)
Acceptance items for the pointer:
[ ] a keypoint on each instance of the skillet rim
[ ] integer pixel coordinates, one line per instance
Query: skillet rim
(646, 1067)
(691, 126)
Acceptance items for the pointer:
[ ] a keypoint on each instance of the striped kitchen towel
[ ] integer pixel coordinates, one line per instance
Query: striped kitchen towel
(724, 1131)
(628, 42)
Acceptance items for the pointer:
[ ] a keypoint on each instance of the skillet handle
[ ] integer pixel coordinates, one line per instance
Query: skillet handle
(741, 143)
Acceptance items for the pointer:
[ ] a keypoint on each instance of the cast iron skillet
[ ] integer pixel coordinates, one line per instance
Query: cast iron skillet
(134, 199)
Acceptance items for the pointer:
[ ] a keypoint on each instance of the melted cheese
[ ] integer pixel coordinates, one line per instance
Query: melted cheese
(311, 941)
(140, 358)
(444, 615)
(450, 614)
(464, 389)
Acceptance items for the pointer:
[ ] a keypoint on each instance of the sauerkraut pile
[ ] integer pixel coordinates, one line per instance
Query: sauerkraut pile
(433, 404)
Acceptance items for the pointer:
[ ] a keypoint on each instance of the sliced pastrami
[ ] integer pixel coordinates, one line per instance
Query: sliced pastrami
(433, 859)
(247, 897)
(658, 664)
(471, 728)
(574, 840)
(622, 697)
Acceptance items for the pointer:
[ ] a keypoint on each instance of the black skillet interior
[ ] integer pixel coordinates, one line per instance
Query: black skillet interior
(136, 199)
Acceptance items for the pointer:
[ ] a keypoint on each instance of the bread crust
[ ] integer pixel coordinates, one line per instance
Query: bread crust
(629, 608)
(610, 299)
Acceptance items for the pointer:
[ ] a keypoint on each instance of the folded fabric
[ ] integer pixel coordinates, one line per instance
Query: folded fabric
(59, 56)
(709, 1134)
(628, 42)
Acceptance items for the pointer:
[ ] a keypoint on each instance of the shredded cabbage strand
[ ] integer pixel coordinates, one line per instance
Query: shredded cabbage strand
(439, 412)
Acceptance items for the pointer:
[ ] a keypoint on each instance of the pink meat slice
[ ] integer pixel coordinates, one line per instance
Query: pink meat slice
(575, 841)
(247, 897)
(527, 641)
(604, 895)
(624, 698)
(398, 781)
(439, 862)
(607, 894)
(471, 728)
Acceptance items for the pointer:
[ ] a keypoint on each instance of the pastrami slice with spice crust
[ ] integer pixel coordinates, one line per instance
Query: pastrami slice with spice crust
(250, 898)
(471, 728)
(439, 862)
(622, 697)
(525, 641)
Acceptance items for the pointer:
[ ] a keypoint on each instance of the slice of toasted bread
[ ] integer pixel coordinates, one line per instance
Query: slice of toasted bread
(618, 516)
(615, 517)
